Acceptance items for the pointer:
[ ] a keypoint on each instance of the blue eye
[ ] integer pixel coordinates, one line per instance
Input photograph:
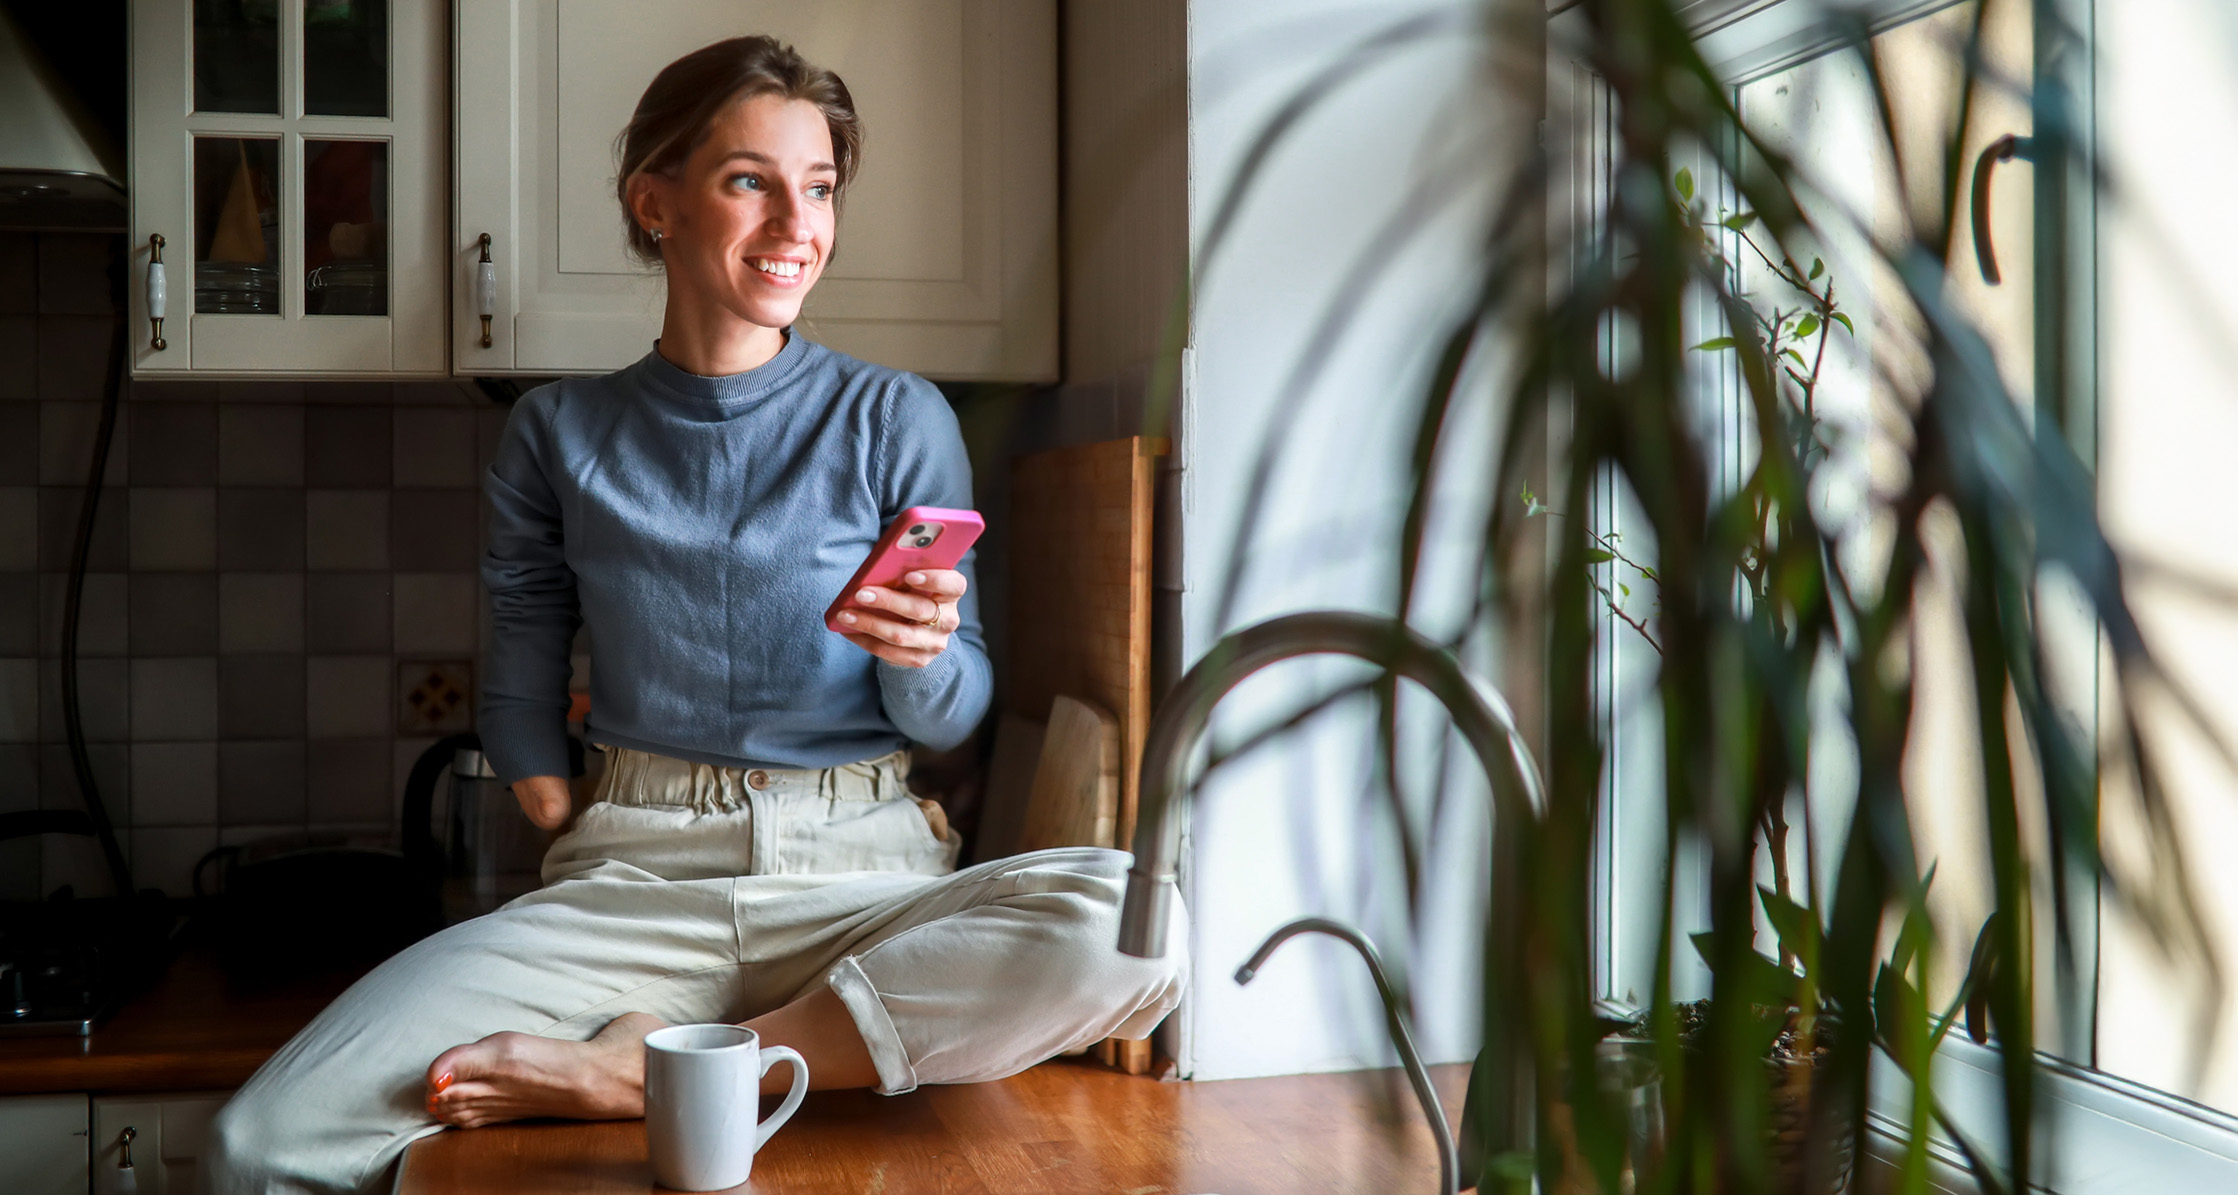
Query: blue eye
(821, 190)
(748, 182)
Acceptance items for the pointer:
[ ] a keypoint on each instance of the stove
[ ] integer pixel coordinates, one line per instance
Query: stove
(66, 965)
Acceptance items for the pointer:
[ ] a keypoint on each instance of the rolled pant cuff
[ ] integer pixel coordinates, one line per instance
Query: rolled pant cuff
(895, 1075)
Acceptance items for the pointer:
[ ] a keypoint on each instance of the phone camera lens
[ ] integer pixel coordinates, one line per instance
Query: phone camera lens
(919, 529)
(924, 541)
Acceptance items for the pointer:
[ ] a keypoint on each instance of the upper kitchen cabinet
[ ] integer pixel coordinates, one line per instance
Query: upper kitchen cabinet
(289, 173)
(947, 262)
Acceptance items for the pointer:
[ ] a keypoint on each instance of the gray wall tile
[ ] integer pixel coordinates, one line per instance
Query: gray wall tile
(73, 355)
(165, 390)
(260, 531)
(19, 700)
(174, 784)
(19, 346)
(164, 858)
(348, 613)
(175, 700)
(175, 443)
(403, 753)
(260, 391)
(58, 527)
(174, 614)
(112, 773)
(260, 612)
(19, 528)
(346, 447)
(67, 431)
(104, 700)
(350, 780)
(434, 447)
(433, 531)
(346, 529)
(19, 273)
(236, 835)
(348, 696)
(260, 697)
(19, 614)
(19, 438)
(449, 392)
(175, 529)
(260, 444)
(103, 625)
(74, 272)
(362, 394)
(261, 782)
(19, 776)
(437, 614)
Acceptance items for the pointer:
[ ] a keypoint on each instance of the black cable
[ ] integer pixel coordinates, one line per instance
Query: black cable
(73, 722)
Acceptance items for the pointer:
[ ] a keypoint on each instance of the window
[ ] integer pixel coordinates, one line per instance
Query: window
(2149, 398)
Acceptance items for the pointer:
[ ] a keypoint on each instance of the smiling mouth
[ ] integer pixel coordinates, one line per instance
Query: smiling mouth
(776, 269)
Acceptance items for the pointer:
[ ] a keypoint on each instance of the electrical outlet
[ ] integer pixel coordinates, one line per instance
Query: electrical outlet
(434, 696)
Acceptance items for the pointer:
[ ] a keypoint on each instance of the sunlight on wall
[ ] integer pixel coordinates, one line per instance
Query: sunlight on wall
(2168, 96)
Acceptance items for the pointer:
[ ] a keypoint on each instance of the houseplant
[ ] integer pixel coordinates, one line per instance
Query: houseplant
(1756, 610)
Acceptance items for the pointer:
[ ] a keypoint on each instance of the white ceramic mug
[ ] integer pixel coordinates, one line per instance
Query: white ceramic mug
(702, 1093)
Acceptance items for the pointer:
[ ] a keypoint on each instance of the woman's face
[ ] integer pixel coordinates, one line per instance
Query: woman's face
(747, 222)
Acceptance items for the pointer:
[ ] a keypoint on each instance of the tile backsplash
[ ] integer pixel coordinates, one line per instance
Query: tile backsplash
(267, 557)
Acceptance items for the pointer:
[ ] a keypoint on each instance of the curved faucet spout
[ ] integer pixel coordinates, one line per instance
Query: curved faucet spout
(1478, 713)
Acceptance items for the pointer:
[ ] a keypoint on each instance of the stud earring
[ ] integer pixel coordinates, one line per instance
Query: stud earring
(657, 235)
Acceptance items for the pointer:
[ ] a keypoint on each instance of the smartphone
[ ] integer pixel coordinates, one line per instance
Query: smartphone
(922, 537)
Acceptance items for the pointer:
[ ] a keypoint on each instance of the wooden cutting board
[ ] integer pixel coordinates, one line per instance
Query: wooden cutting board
(1074, 800)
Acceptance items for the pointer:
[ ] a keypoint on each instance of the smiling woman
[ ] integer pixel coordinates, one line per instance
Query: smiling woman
(751, 852)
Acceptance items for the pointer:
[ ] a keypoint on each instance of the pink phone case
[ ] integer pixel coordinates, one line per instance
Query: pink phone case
(895, 555)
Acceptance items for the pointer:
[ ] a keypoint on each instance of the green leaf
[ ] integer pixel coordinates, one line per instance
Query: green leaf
(1797, 927)
(1798, 357)
(1817, 267)
(1739, 220)
(1714, 344)
(1808, 326)
(1624, 589)
(1843, 320)
(1597, 556)
(1685, 184)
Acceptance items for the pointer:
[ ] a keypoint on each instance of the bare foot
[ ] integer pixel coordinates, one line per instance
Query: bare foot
(515, 1076)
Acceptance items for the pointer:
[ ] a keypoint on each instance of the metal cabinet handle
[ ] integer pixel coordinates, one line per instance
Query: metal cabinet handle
(2004, 149)
(128, 1179)
(485, 289)
(157, 291)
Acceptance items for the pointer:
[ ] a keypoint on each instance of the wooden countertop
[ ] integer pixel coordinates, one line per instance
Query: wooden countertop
(1057, 1128)
(193, 1029)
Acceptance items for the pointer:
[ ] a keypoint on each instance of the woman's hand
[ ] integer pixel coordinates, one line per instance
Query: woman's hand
(908, 626)
(546, 800)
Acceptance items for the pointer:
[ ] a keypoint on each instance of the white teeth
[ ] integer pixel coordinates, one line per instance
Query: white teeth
(782, 269)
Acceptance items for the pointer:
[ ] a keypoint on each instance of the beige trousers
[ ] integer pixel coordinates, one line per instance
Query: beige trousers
(699, 893)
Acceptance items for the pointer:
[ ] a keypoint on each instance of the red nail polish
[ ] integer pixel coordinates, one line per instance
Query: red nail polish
(442, 1082)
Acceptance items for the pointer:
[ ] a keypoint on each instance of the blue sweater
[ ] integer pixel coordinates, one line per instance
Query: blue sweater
(700, 527)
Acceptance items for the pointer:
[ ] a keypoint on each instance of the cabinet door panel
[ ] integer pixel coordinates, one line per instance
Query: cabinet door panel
(43, 1145)
(947, 260)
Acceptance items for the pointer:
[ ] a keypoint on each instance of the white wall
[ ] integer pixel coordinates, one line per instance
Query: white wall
(1290, 832)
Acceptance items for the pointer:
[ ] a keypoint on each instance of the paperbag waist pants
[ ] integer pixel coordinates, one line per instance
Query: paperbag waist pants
(698, 893)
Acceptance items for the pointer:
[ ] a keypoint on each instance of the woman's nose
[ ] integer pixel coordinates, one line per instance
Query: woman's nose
(788, 218)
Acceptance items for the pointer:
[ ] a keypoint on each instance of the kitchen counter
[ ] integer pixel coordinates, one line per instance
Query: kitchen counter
(193, 1030)
(1062, 1126)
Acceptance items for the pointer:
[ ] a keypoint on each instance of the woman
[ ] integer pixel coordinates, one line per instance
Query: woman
(751, 853)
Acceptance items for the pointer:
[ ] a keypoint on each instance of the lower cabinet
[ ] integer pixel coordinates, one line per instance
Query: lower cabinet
(43, 1144)
(74, 1144)
(169, 1132)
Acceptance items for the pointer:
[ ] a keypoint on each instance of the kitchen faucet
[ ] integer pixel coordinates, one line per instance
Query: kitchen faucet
(1480, 716)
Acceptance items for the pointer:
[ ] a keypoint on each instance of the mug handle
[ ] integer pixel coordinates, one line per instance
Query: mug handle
(771, 1056)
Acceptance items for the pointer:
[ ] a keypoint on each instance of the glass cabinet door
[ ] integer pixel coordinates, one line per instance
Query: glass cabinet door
(288, 187)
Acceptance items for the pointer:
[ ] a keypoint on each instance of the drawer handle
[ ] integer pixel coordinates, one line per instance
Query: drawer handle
(485, 289)
(157, 291)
